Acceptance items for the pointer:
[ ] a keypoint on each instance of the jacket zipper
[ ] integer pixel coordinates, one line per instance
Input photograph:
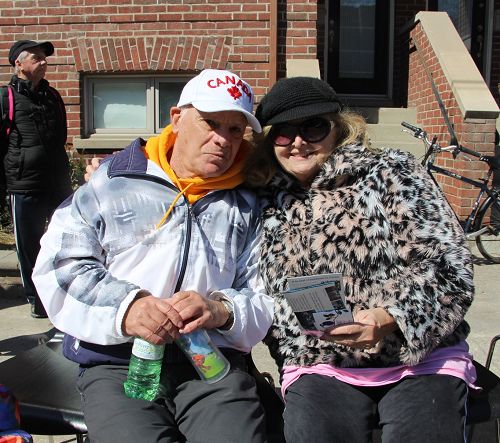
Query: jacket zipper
(188, 222)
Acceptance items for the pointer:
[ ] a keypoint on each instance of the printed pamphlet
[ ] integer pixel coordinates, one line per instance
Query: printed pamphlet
(318, 302)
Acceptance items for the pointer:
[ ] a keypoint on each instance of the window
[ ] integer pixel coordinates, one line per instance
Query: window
(122, 105)
(357, 39)
(119, 105)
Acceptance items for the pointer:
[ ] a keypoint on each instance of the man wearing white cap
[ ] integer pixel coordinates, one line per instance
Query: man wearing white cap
(159, 243)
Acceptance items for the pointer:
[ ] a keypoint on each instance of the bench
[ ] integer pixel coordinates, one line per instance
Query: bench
(44, 382)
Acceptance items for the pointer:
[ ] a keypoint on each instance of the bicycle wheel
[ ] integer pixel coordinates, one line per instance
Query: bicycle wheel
(488, 224)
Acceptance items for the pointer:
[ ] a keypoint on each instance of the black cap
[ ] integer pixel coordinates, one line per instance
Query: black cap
(297, 97)
(22, 45)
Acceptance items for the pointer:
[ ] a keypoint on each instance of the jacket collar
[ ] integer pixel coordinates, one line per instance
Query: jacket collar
(25, 86)
(129, 161)
(347, 161)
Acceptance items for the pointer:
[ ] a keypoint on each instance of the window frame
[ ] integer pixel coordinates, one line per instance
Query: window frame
(152, 103)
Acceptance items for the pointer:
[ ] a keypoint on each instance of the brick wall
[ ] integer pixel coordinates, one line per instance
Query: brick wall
(297, 31)
(114, 36)
(476, 134)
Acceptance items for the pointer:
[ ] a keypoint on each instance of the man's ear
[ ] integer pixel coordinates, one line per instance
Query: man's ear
(175, 115)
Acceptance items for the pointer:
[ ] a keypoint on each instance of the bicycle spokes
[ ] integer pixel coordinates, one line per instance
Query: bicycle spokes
(487, 230)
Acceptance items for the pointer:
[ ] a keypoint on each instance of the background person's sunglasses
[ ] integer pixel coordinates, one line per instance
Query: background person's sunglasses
(312, 130)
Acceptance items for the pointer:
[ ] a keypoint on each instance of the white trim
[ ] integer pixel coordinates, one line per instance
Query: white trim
(466, 407)
(14, 219)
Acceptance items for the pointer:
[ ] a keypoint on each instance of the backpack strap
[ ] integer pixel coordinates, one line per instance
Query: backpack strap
(11, 108)
(7, 110)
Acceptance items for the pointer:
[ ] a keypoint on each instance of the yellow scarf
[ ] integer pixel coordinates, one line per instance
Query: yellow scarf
(157, 150)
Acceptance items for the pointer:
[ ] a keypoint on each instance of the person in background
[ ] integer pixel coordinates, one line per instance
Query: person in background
(331, 203)
(160, 242)
(35, 168)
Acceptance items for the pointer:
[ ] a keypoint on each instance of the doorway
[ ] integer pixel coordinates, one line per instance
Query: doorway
(358, 46)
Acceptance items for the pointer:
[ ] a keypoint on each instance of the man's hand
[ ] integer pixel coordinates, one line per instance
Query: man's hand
(153, 319)
(91, 168)
(198, 312)
(369, 327)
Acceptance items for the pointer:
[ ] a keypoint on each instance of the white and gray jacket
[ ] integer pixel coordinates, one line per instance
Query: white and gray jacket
(103, 246)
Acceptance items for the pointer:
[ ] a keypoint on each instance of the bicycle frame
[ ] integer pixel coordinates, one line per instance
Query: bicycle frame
(483, 222)
(482, 185)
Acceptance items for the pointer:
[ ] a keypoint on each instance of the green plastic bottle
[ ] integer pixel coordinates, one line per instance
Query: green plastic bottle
(143, 379)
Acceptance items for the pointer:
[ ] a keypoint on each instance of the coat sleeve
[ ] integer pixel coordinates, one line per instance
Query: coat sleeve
(430, 293)
(81, 297)
(62, 113)
(253, 308)
(4, 140)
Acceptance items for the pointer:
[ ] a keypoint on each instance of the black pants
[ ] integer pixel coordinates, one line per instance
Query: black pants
(30, 214)
(190, 410)
(428, 409)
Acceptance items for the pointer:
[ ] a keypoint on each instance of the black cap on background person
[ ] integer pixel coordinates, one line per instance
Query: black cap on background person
(23, 45)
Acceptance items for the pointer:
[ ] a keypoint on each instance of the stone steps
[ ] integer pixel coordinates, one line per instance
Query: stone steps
(384, 129)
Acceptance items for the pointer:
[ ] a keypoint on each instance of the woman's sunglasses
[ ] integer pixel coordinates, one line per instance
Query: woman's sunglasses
(312, 130)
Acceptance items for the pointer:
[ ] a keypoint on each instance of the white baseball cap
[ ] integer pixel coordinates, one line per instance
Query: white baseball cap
(215, 90)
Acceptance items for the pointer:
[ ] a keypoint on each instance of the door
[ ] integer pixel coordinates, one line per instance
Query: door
(358, 46)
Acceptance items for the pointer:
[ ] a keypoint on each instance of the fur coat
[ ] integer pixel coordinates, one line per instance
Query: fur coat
(378, 219)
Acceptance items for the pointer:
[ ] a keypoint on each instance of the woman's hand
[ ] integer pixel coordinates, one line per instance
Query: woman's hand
(91, 168)
(368, 328)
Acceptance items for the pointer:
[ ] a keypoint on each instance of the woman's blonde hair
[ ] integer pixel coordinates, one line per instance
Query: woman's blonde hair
(262, 164)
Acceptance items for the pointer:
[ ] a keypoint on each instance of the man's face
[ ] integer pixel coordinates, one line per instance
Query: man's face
(206, 143)
(34, 66)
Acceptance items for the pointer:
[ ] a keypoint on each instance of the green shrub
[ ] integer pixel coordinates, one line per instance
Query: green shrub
(77, 172)
(77, 165)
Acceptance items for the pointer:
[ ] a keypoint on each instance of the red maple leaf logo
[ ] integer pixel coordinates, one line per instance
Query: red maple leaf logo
(235, 92)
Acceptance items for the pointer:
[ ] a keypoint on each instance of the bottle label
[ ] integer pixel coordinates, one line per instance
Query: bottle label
(206, 358)
(146, 350)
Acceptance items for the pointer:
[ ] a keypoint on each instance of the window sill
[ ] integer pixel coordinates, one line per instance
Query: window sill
(104, 144)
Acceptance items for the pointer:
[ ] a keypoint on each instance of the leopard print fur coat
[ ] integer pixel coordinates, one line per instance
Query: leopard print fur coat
(380, 221)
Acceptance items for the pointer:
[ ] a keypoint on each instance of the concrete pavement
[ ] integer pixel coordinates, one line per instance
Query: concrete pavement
(18, 331)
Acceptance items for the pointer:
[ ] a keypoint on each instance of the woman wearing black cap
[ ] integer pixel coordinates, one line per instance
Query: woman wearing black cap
(334, 204)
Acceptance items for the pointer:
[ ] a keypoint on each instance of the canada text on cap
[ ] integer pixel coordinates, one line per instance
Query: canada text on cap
(214, 90)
